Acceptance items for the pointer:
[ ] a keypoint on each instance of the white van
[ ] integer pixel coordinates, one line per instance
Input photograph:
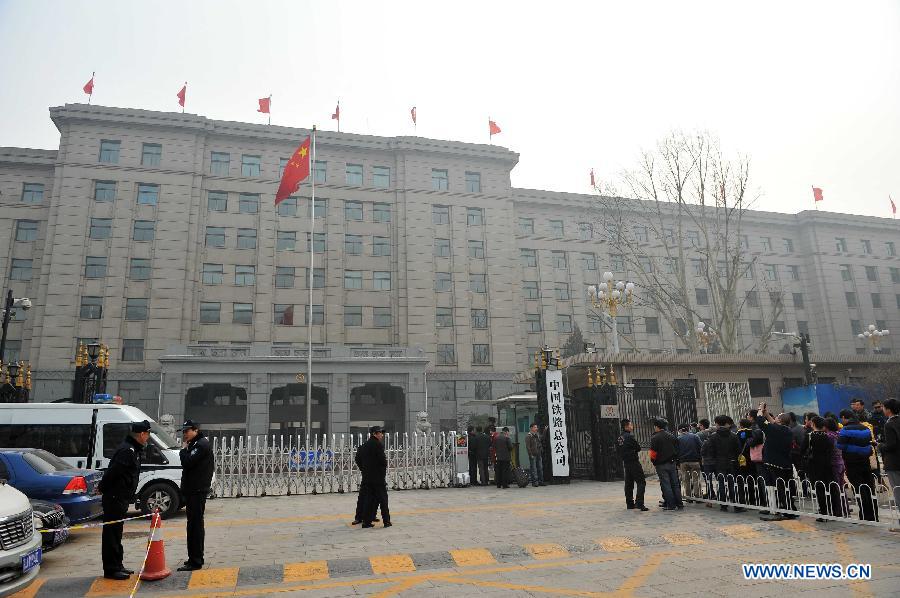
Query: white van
(65, 429)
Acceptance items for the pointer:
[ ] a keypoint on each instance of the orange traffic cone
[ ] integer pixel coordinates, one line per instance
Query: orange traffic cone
(155, 567)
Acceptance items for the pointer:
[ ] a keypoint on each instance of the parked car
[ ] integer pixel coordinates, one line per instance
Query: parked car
(39, 474)
(20, 546)
(49, 515)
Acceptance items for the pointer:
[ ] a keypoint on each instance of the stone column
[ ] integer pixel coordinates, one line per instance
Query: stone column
(339, 404)
(258, 391)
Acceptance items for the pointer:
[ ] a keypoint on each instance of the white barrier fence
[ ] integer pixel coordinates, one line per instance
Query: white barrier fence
(788, 497)
(285, 465)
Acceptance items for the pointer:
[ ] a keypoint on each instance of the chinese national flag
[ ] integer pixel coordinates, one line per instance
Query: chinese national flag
(494, 129)
(893, 205)
(412, 113)
(817, 194)
(181, 95)
(593, 181)
(89, 86)
(264, 104)
(337, 113)
(295, 172)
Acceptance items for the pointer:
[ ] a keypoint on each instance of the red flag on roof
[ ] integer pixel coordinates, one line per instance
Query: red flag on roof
(492, 126)
(89, 86)
(182, 94)
(264, 105)
(337, 113)
(593, 182)
(295, 172)
(893, 205)
(817, 194)
(412, 113)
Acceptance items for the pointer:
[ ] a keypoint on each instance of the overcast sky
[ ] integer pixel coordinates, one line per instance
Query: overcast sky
(809, 90)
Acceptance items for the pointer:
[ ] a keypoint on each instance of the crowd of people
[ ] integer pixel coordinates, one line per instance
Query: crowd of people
(489, 447)
(768, 461)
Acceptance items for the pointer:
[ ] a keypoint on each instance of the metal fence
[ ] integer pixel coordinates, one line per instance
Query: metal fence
(285, 465)
(643, 404)
(728, 398)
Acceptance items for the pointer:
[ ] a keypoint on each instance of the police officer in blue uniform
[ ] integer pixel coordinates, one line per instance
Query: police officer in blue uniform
(196, 479)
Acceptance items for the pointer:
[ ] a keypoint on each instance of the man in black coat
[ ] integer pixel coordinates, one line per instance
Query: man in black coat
(889, 447)
(196, 479)
(473, 460)
(119, 483)
(372, 462)
(664, 456)
(629, 449)
(722, 449)
(482, 455)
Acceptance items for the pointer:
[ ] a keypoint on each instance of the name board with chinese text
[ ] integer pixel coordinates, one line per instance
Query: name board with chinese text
(556, 412)
(609, 411)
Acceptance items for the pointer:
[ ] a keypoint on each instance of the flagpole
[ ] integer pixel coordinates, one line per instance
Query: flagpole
(270, 109)
(185, 97)
(490, 136)
(91, 95)
(815, 202)
(312, 253)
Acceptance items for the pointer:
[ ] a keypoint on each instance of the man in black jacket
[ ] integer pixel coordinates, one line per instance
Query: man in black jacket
(196, 479)
(473, 460)
(723, 449)
(503, 448)
(889, 447)
(372, 462)
(779, 470)
(664, 456)
(482, 455)
(118, 485)
(629, 449)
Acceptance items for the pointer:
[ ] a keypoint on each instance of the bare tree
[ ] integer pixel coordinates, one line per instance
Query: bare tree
(574, 344)
(679, 230)
(883, 382)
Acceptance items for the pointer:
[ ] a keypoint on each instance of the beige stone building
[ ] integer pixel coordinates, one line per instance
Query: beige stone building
(156, 233)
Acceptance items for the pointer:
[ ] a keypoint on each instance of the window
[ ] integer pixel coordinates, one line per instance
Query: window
(133, 349)
(756, 328)
(250, 165)
(382, 281)
(891, 248)
(617, 262)
(101, 228)
(353, 315)
(895, 275)
(381, 246)
(321, 208)
(481, 354)
(585, 231)
(136, 308)
(557, 228)
(759, 387)
(14, 353)
(771, 271)
(212, 273)
(473, 182)
(532, 322)
(94, 267)
(91, 308)
(588, 261)
(381, 212)
(474, 216)
(681, 327)
(641, 234)
(558, 259)
(287, 207)
(788, 245)
(846, 272)
(564, 323)
(876, 300)
(851, 299)
(802, 326)
(478, 283)
(246, 238)
(318, 315)
(284, 277)
(354, 174)
(242, 313)
(866, 246)
(443, 317)
(381, 178)
(218, 163)
(210, 312)
(529, 258)
(352, 279)
(319, 168)
(26, 230)
(382, 317)
(440, 214)
(442, 282)
(144, 230)
(526, 226)
(353, 244)
(283, 314)
(752, 298)
(446, 354)
(855, 327)
(721, 268)
(702, 296)
(148, 194)
(651, 325)
(139, 269)
(623, 323)
(217, 201)
(248, 203)
(286, 240)
(439, 181)
(745, 242)
(530, 287)
(671, 264)
(775, 298)
(245, 276)
(109, 151)
(562, 291)
(353, 210)
(318, 243)
(798, 301)
(840, 244)
(871, 273)
(151, 154)
(766, 243)
(693, 238)
(479, 318)
(748, 270)
(476, 249)
(794, 272)
(104, 191)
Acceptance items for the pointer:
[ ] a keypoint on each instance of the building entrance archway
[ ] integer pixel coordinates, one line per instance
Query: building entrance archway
(377, 403)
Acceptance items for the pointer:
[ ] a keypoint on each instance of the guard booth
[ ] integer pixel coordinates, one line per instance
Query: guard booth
(517, 412)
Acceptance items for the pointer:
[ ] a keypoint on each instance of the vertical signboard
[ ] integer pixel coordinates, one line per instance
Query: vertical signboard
(559, 445)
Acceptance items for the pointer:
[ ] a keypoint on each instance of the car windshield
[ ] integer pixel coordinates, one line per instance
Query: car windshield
(44, 462)
(163, 437)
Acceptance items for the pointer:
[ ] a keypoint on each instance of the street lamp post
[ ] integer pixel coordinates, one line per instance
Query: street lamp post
(91, 370)
(607, 297)
(705, 336)
(873, 336)
(16, 383)
(9, 308)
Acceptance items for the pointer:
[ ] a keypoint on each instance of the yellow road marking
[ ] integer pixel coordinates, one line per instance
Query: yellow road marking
(411, 583)
(392, 563)
(471, 557)
(617, 544)
(683, 539)
(110, 587)
(792, 525)
(309, 571)
(547, 551)
(32, 590)
(525, 588)
(213, 579)
(843, 548)
(740, 531)
(640, 576)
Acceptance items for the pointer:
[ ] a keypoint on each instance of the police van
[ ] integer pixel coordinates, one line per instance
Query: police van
(66, 430)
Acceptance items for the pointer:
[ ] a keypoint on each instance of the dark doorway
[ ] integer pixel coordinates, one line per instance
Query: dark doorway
(377, 403)
(221, 409)
(287, 410)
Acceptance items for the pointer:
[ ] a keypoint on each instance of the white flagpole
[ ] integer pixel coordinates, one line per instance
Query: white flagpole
(270, 109)
(312, 253)
(91, 95)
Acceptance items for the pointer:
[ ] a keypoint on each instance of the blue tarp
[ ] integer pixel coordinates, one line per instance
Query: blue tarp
(822, 398)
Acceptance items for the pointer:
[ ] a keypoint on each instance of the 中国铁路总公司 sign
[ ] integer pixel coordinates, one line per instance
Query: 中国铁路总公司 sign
(556, 415)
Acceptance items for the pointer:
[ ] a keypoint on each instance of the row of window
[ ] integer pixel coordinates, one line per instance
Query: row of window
(92, 308)
(853, 301)
(285, 314)
(446, 354)
(441, 215)
(840, 245)
(871, 273)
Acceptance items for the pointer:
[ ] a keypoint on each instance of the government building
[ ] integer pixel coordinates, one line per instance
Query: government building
(434, 281)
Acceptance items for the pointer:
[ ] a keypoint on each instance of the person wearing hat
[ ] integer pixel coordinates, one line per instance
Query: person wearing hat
(119, 483)
(196, 478)
(372, 462)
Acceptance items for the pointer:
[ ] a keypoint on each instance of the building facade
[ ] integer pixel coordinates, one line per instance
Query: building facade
(156, 234)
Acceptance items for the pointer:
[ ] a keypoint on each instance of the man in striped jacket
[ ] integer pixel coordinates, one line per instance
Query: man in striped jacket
(855, 443)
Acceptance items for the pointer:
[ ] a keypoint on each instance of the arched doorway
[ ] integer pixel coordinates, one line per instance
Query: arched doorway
(287, 410)
(377, 403)
(220, 409)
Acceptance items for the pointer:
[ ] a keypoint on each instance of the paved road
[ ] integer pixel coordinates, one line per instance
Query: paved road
(574, 540)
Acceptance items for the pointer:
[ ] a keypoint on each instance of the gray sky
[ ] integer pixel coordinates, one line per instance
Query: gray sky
(808, 89)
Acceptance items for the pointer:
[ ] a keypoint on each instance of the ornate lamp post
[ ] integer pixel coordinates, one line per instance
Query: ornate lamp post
(16, 383)
(873, 335)
(705, 336)
(91, 369)
(9, 308)
(607, 297)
